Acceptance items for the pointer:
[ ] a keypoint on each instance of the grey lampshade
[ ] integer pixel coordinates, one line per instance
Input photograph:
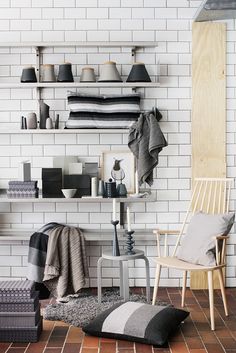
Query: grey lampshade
(65, 73)
(138, 73)
(28, 75)
(109, 73)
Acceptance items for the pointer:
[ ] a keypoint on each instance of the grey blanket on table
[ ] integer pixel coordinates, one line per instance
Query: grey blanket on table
(57, 258)
(146, 141)
(66, 263)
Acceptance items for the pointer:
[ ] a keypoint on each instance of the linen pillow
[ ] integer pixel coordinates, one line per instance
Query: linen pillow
(197, 246)
(137, 322)
(102, 111)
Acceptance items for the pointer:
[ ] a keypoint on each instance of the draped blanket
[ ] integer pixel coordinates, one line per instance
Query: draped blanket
(57, 257)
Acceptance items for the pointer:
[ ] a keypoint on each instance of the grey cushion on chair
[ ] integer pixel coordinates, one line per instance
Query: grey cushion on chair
(197, 246)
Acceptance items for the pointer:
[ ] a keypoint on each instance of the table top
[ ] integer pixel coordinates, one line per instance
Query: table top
(123, 256)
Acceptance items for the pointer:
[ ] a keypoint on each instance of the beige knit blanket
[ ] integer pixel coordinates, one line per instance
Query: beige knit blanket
(66, 262)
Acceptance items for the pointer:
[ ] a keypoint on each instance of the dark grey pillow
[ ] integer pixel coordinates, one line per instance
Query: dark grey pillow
(138, 322)
(198, 245)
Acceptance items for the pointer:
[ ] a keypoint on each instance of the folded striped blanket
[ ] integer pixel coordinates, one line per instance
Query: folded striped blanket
(38, 251)
(103, 111)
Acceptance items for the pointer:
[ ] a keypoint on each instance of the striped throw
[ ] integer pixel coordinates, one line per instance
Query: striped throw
(103, 111)
(137, 322)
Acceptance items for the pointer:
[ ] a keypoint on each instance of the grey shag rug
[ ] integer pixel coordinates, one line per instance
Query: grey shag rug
(79, 310)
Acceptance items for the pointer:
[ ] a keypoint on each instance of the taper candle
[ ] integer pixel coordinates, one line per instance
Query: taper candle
(128, 219)
(114, 210)
(136, 183)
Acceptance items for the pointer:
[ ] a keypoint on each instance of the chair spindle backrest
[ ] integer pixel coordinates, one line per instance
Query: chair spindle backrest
(210, 195)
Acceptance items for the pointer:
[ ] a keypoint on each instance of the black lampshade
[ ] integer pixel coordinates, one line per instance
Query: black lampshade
(138, 73)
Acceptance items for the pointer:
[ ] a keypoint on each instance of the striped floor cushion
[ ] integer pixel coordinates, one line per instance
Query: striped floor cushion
(103, 111)
(137, 322)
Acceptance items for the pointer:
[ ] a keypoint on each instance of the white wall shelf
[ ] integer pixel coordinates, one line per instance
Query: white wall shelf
(129, 199)
(126, 44)
(80, 85)
(65, 131)
(8, 234)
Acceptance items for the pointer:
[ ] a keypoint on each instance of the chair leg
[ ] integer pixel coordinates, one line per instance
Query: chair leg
(184, 287)
(99, 279)
(211, 298)
(156, 284)
(222, 288)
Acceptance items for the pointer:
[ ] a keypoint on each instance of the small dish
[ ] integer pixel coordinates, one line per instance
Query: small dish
(69, 193)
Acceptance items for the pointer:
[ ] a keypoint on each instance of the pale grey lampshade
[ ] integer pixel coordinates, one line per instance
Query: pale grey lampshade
(109, 72)
(48, 73)
(87, 75)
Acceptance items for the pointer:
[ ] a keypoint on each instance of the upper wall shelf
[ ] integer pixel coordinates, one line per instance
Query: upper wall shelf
(79, 44)
(65, 131)
(80, 84)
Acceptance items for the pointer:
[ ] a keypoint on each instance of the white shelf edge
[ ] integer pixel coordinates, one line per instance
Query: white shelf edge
(8, 234)
(81, 44)
(80, 84)
(65, 131)
(5, 199)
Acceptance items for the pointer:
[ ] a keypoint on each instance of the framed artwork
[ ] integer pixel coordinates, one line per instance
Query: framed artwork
(119, 164)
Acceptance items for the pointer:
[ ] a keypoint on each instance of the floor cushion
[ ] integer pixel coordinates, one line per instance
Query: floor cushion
(138, 322)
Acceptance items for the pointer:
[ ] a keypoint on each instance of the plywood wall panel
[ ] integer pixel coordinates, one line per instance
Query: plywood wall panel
(208, 108)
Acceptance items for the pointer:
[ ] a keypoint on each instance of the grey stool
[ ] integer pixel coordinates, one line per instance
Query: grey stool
(124, 272)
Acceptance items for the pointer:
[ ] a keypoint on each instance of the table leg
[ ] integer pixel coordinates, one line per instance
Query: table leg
(147, 278)
(125, 280)
(121, 280)
(99, 279)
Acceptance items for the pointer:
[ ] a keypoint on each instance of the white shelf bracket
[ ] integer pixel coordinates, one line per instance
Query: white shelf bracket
(133, 53)
(38, 74)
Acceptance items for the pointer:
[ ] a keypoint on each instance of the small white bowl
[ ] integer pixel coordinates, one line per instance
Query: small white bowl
(69, 193)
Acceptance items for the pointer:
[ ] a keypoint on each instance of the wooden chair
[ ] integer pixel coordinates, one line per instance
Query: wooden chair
(210, 195)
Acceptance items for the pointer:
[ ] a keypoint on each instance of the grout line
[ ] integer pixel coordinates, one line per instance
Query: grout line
(62, 348)
(49, 338)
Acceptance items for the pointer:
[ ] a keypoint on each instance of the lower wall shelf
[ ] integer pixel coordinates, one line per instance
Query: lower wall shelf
(149, 198)
(90, 234)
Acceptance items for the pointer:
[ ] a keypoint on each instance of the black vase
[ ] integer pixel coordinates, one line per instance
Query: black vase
(28, 75)
(65, 73)
(110, 189)
(138, 73)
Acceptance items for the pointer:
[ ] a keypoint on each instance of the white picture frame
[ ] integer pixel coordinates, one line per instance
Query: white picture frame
(127, 164)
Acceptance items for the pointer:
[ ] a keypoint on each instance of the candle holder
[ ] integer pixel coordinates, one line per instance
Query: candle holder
(115, 243)
(130, 243)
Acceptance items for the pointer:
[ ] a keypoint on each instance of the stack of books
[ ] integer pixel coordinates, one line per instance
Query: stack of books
(20, 319)
(22, 189)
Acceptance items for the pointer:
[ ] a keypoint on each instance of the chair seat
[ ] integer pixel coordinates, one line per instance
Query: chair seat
(174, 262)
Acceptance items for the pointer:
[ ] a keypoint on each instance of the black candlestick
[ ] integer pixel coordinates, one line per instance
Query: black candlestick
(115, 243)
(130, 242)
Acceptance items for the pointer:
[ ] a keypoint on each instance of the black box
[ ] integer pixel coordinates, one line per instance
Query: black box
(52, 182)
(80, 182)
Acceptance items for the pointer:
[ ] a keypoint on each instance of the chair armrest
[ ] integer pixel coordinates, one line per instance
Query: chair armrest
(220, 237)
(166, 232)
(220, 251)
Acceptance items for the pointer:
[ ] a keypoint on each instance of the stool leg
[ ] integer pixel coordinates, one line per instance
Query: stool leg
(99, 279)
(121, 280)
(125, 280)
(147, 279)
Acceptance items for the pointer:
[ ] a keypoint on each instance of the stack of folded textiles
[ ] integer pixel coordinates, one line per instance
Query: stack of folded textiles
(22, 189)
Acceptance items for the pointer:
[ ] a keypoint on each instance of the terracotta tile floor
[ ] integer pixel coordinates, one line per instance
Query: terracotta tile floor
(194, 336)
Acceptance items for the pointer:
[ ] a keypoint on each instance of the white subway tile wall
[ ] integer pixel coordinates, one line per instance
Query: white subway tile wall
(166, 21)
